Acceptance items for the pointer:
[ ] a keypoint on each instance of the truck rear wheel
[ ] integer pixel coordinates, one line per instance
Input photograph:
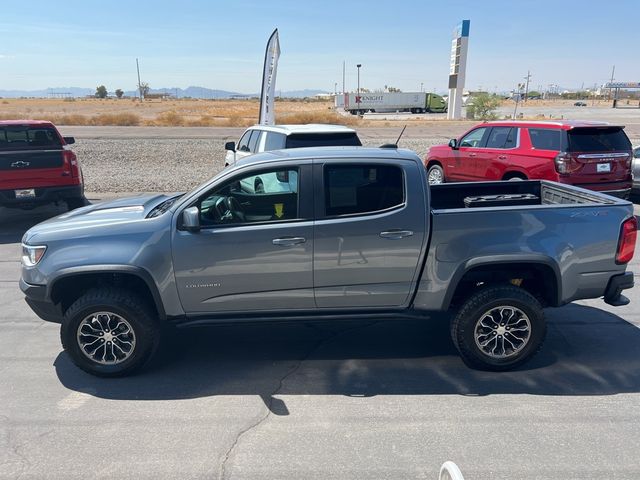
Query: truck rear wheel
(109, 332)
(499, 328)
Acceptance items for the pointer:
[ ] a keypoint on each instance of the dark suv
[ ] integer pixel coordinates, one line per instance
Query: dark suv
(37, 166)
(592, 155)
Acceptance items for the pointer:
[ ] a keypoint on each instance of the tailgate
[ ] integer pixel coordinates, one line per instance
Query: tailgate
(29, 168)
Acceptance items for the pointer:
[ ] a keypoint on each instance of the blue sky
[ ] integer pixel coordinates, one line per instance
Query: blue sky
(221, 45)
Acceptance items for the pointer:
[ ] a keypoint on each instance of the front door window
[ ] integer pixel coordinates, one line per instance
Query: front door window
(474, 138)
(267, 196)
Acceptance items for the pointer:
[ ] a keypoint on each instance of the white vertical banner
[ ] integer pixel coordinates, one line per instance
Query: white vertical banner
(268, 93)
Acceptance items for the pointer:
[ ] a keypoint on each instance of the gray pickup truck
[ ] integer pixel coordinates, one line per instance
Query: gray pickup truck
(346, 233)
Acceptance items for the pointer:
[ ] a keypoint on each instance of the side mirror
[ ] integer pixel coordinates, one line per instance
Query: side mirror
(453, 143)
(69, 140)
(230, 146)
(191, 219)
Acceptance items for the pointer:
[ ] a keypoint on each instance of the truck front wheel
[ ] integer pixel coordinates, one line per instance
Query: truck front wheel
(109, 332)
(499, 328)
(435, 174)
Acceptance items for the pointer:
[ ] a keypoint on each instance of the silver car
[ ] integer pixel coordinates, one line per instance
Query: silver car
(635, 168)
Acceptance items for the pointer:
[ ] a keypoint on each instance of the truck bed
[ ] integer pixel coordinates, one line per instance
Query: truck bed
(524, 194)
(566, 229)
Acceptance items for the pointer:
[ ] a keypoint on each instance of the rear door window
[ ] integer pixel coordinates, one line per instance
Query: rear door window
(546, 138)
(502, 137)
(361, 189)
(342, 139)
(598, 140)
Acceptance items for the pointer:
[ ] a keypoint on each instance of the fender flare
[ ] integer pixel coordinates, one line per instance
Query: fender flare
(528, 258)
(139, 272)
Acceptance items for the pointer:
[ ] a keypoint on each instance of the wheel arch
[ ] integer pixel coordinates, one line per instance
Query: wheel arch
(514, 173)
(71, 283)
(434, 161)
(537, 274)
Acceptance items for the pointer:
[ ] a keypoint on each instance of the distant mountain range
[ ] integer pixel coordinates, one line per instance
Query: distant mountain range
(192, 92)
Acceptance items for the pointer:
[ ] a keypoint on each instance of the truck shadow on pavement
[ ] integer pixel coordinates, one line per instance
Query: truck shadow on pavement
(587, 352)
(14, 221)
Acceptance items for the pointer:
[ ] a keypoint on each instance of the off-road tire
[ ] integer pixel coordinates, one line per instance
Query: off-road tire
(471, 312)
(130, 307)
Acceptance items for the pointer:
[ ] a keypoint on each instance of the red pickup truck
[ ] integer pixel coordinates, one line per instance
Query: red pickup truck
(592, 155)
(37, 166)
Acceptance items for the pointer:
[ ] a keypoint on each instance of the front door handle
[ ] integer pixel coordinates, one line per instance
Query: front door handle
(502, 157)
(472, 154)
(396, 234)
(288, 241)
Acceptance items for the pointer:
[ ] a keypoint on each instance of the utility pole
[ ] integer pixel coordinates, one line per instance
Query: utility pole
(613, 72)
(139, 85)
(358, 95)
(526, 88)
(518, 94)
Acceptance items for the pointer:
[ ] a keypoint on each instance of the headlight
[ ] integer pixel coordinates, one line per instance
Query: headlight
(32, 254)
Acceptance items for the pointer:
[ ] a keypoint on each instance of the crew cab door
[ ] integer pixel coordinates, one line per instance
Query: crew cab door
(462, 165)
(371, 222)
(253, 251)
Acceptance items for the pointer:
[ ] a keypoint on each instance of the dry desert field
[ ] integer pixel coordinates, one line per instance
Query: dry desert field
(218, 113)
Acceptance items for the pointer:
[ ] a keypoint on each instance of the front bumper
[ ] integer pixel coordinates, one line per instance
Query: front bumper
(613, 294)
(43, 195)
(36, 298)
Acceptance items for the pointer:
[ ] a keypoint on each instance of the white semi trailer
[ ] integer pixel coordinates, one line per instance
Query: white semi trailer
(386, 102)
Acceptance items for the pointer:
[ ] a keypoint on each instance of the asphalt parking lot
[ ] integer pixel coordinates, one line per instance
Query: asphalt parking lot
(386, 399)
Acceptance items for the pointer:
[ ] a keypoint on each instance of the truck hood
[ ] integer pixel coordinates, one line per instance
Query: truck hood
(93, 217)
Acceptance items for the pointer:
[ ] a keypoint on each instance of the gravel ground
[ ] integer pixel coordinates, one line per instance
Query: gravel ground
(147, 159)
(165, 165)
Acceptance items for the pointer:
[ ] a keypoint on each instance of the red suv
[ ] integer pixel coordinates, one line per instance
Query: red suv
(592, 155)
(37, 166)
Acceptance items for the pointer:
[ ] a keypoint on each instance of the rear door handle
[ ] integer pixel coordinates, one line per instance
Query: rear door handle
(502, 157)
(288, 241)
(472, 154)
(396, 234)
